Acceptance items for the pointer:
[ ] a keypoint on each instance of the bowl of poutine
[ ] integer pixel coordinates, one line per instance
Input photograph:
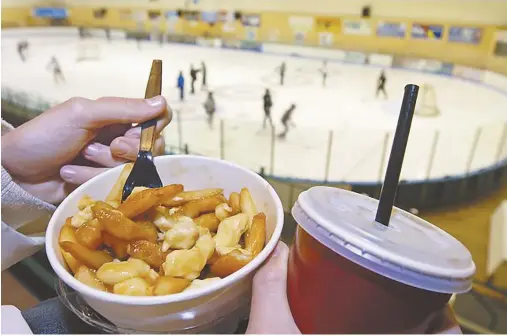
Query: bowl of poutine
(171, 259)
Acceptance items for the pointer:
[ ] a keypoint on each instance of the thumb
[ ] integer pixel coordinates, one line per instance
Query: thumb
(87, 113)
(270, 311)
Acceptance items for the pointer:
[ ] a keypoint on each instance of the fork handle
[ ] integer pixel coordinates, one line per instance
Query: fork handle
(153, 89)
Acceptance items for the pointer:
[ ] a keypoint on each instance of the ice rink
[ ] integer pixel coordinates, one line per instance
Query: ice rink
(342, 132)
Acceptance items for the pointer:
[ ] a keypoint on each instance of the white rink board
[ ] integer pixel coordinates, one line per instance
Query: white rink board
(360, 125)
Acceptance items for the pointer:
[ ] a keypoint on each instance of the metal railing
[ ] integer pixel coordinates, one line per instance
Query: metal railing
(350, 155)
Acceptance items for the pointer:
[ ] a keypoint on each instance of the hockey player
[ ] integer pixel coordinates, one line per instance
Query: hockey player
(323, 71)
(181, 85)
(286, 120)
(210, 108)
(55, 68)
(193, 78)
(22, 47)
(282, 69)
(268, 103)
(381, 85)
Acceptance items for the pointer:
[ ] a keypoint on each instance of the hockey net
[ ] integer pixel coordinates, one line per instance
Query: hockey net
(88, 49)
(427, 102)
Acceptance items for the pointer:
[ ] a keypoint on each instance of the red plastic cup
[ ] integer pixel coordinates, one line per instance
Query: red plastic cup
(350, 274)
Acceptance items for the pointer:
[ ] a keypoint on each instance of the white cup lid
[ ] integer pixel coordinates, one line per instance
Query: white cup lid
(410, 250)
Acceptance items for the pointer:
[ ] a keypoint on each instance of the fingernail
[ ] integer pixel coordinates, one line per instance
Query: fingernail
(92, 150)
(155, 101)
(133, 132)
(67, 173)
(122, 148)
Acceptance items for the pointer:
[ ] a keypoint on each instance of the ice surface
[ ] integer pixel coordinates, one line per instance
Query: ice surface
(344, 115)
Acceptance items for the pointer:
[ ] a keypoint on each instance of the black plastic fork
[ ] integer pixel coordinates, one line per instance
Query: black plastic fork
(144, 173)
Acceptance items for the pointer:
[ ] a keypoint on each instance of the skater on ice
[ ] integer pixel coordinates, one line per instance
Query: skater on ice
(210, 108)
(381, 85)
(55, 68)
(193, 78)
(181, 86)
(286, 120)
(323, 71)
(22, 47)
(268, 103)
(204, 74)
(282, 69)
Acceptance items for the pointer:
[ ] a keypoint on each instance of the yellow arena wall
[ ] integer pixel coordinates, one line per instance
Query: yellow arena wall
(280, 20)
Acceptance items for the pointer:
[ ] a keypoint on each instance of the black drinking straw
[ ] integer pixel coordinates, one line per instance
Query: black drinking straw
(392, 177)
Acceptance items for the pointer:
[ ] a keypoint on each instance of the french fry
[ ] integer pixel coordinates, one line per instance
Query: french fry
(214, 257)
(90, 234)
(247, 205)
(118, 245)
(209, 221)
(133, 287)
(255, 237)
(112, 273)
(142, 201)
(90, 258)
(114, 204)
(147, 251)
(121, 227)
(234, 203)
(148, 231)
(195, 208)
(151, 277)
(193, 195)
(166, 285)
(116, 192)
(67, 234)
(87, 276)
(230, 263)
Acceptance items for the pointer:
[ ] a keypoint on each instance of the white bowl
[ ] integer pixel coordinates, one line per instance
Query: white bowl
(198, 310)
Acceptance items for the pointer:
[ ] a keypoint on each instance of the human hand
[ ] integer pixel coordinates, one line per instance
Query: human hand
(76, 140)
(270, 312)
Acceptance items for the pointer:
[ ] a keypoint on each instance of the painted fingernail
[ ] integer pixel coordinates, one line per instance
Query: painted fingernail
(155, 101)
(67, 173)
(92, 150)
(122, 148)
(133, 132)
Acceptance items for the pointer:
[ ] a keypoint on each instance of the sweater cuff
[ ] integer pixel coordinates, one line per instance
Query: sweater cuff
(20, 207)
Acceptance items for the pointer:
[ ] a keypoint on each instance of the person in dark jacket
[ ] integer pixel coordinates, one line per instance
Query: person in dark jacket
(268, 103)
(286, 120)
(381, 85)
(193, 78)
(22, 47)
(54, 67)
